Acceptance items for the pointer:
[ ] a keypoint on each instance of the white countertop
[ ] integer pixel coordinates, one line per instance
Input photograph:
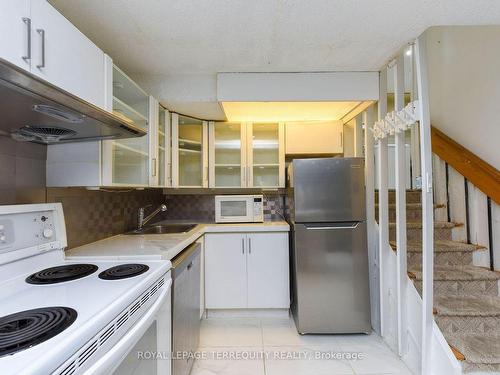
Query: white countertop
(163, 246)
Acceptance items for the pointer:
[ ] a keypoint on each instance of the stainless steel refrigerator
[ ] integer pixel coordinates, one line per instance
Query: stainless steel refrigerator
(329, 267)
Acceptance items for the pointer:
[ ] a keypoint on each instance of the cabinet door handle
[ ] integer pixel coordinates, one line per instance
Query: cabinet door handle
(341, 140)
(153, 167)
(243, 246)
(190, 265)
(249, 246)
(42, 55)
(27, 22)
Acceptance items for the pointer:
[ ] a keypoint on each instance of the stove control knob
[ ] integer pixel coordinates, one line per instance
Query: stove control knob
(47, 233)
(3, 238)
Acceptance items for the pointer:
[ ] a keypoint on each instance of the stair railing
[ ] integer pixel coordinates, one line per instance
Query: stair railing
(470, 188)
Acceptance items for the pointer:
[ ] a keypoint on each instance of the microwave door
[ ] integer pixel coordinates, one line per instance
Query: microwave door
(234, 211)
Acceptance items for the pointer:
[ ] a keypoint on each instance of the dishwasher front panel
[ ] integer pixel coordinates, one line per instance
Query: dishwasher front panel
(185, 308)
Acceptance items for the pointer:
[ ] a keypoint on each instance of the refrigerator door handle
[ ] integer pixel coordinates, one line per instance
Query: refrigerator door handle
(352, 226)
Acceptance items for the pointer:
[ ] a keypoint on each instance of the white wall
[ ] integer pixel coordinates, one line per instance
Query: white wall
(189, 94)
(297, 87)
(464, 75)
(349, 138)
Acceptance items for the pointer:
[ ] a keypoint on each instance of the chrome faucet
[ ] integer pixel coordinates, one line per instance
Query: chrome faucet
(141, 220)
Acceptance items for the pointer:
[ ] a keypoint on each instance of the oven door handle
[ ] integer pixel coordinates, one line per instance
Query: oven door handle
(108, 362)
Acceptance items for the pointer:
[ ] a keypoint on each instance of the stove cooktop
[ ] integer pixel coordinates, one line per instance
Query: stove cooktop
(27, 328)
(123, 271)
(59, 274)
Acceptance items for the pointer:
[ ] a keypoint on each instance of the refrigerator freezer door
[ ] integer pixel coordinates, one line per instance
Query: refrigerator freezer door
(329, 190)
(331, 285)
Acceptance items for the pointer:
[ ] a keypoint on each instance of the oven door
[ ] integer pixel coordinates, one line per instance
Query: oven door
(233, 209)
(146, 347)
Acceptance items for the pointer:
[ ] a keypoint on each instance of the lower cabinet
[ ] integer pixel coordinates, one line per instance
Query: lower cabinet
(246, 270)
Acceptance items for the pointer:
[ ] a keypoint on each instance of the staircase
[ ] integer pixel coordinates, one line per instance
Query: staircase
(466, 297)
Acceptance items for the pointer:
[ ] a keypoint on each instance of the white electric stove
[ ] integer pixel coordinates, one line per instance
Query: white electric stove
(67, 317)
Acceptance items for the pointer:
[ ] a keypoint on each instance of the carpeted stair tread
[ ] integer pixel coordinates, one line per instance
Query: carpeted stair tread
(410, 206)
(467, 306)
(462, 273)
(418, 225)
(415, 246)
(478, 348)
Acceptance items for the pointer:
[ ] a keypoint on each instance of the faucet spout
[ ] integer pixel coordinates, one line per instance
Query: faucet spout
(144, 220)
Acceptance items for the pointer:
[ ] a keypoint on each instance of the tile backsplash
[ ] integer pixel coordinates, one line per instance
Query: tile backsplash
(202, 207)
(22, 172)
(92, 215)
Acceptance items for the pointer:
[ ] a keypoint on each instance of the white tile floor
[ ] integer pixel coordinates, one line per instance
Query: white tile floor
(265, 346)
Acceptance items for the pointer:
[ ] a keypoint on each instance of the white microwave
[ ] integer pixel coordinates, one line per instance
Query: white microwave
(239, 209)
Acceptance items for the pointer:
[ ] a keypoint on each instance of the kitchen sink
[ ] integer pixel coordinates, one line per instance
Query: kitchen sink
(164, 229)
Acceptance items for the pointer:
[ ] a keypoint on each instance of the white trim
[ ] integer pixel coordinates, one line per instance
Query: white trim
(204, 155)
(211, 154)
(106, 175)
(175, 149)
(400, 179)
(154, 113)
(281, 151)
(249, 147)
(368, 120)
(244, 157)
(168, 148)
(383, 198)
(427, 206)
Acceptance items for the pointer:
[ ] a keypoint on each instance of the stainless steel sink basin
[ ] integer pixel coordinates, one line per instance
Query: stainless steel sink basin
(164, 229)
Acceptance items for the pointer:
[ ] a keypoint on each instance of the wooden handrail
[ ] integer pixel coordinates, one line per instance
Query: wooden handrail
(481, 174)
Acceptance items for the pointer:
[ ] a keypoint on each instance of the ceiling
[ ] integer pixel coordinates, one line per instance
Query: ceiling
(165, 38)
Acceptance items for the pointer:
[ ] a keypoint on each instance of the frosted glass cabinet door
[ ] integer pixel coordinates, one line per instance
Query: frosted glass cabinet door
(266, 154)
(126, 161)
(130, 161)
(227, 155)
(188, 148)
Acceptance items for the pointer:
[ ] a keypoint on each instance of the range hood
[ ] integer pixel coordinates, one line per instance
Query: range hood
(34, 110)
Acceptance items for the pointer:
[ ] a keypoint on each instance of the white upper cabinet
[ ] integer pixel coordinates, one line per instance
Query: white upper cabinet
(247, 155)
(314, 138)
(189, 152)
(36, 37)
(227, 155)
(266, 159)
(15, 35)
(64, 56)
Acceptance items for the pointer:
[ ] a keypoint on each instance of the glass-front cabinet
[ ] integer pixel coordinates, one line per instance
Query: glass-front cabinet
(189, 152)
(267, 157)
(227, 156)
(246, 155)
(127, 161)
